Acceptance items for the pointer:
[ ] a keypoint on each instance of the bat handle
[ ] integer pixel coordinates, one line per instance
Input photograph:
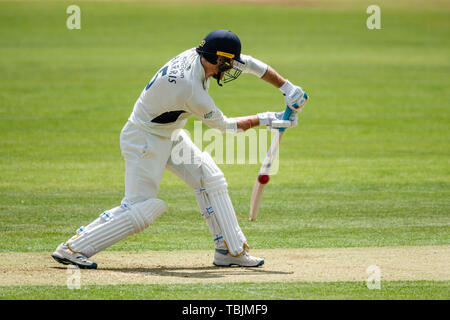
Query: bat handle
(286, 116)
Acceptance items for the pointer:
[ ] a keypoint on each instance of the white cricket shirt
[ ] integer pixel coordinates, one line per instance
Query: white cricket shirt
(179, 90)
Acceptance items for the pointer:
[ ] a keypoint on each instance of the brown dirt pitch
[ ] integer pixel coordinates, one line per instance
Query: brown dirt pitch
(281, 265)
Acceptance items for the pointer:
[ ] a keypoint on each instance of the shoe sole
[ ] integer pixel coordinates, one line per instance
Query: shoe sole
(235, 264)
(67, 261)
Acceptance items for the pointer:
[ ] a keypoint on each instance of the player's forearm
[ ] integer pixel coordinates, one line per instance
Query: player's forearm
(273, 77)
(245, 123)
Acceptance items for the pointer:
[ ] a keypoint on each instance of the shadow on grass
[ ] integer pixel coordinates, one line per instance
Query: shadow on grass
(197, 272)
(192, 272)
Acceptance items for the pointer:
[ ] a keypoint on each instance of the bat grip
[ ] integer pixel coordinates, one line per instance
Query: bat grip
(286, 115)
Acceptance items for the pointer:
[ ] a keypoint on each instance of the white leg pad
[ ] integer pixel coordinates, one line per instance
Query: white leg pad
(114, 225)
(216, 204)
(209, 214)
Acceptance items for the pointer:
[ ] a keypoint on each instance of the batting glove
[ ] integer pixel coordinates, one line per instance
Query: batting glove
(275, 119)
(294, 96)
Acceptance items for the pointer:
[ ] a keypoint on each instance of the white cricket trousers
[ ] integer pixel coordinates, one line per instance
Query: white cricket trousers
(146, 157)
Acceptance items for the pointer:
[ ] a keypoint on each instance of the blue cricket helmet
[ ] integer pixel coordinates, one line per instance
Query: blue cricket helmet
(220, 43)
(227, 45)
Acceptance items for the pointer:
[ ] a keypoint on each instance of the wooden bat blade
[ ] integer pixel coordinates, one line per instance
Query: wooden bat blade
(257, 193)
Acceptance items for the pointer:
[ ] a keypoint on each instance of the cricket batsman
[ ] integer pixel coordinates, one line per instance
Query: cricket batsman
(176, 92)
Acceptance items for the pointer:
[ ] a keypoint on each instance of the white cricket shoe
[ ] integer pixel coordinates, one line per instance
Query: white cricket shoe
(63, 255)
(222, 258)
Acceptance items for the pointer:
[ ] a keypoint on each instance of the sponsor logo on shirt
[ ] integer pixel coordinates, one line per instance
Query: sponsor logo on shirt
(208, 115)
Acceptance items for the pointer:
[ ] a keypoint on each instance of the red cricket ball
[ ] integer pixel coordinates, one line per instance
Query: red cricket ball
(263, 178)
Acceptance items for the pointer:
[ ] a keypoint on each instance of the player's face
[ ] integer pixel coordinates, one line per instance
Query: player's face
(225, 70)
(226, 65)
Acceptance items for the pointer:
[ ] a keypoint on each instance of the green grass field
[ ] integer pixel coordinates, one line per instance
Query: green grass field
(246, 291)
(368, 164)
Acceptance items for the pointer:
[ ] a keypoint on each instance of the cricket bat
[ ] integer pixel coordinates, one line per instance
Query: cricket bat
(264, 173)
